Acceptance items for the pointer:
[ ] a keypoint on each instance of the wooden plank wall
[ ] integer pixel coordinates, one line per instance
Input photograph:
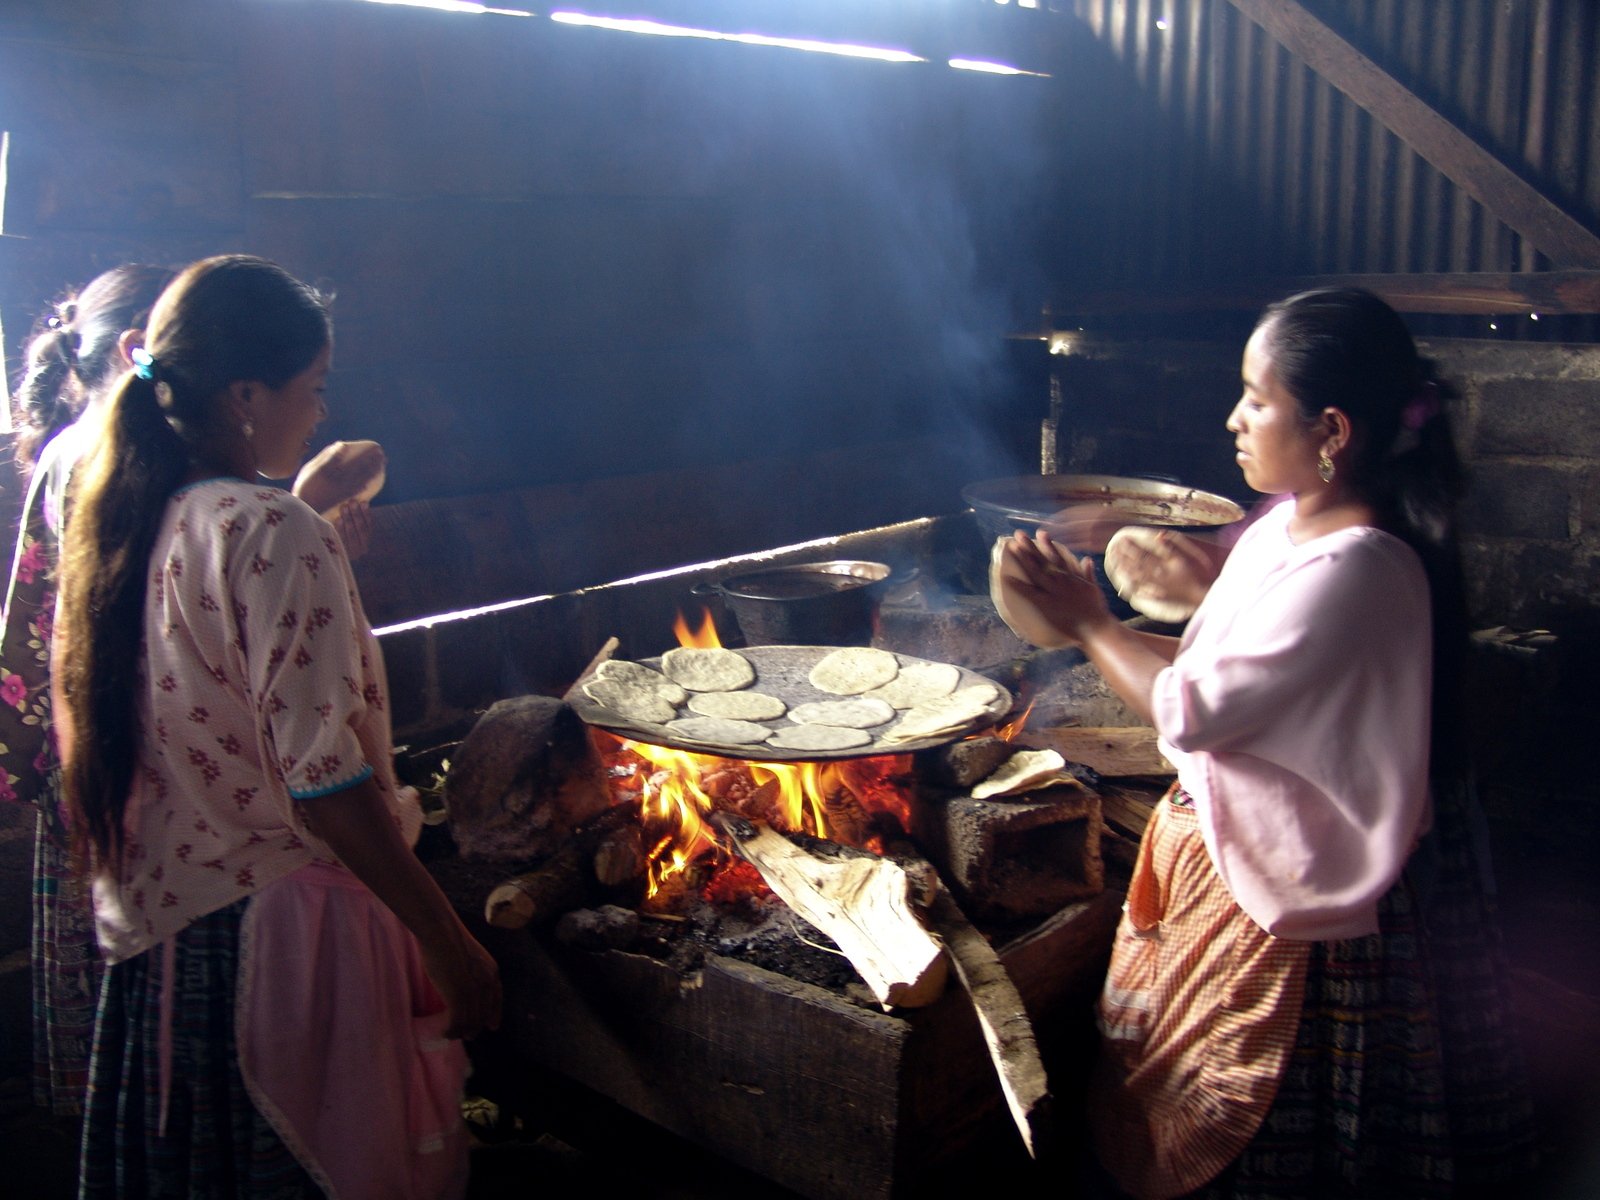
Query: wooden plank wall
(559, 254)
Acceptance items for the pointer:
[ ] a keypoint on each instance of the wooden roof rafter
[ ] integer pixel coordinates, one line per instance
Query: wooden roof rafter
(1472, 167)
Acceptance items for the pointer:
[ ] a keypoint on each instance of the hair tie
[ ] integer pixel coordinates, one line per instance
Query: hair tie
(144, 363)
(1421, 408)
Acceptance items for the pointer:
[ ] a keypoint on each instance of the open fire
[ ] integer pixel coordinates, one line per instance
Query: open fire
(862, 802)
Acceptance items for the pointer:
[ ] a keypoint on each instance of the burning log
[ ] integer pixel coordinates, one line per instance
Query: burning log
(620, 858)
(540, 894)
(605, 928)
(524, 778)
(863, 902)
(564, 881)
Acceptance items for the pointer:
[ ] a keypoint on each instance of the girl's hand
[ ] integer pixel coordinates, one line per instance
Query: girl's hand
(467, 979)
(1045, 593)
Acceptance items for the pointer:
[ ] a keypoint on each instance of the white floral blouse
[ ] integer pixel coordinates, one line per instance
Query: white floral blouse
(261, 685)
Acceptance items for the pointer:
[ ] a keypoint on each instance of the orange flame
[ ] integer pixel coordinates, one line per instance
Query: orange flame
(703, 638)
(848, 800)
(1016, 725)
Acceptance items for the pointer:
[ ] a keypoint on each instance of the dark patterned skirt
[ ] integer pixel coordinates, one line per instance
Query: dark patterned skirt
(1406, 1081)
(216, 1145)
(66, 974)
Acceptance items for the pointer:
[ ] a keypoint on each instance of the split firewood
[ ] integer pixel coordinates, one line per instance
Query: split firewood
(619, 858)
(1007, 1029)
(564, 881)
(866, 904)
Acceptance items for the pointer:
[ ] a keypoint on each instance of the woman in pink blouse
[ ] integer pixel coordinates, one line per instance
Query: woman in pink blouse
(1276, 1021)
(285, 981)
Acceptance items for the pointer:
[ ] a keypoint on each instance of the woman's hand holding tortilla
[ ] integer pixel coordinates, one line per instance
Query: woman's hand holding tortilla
(1047, 595)
(1161, 572)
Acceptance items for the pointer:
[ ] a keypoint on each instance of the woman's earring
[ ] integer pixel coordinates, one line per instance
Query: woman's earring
(1324, 466)
(249, 430)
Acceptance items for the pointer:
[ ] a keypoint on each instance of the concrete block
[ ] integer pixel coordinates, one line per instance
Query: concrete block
(1539, 417)
(1024, 856)
(1517, 500)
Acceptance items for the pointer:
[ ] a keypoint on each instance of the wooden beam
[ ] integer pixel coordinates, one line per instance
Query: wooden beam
(1462, 293)
(1109, 750)
(1470, 166)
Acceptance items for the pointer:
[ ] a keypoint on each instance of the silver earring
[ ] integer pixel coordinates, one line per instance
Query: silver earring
(249, 430)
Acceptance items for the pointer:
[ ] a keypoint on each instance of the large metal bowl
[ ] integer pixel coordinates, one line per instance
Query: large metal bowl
(1027, 501)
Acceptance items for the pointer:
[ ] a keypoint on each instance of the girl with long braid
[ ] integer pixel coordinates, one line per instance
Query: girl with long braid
(285, 981)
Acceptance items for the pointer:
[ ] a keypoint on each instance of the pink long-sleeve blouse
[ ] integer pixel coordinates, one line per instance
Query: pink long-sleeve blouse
(1297, 713)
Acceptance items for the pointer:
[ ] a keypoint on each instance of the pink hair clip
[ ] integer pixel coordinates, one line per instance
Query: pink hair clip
(1421, 408)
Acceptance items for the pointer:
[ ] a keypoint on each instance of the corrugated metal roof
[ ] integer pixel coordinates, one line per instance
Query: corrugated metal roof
(1329, 190)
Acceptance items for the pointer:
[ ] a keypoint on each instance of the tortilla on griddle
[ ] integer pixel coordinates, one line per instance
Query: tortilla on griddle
(843, 714)
(853, 670)
(718, 731)
(638, 675)
(737, 706)
(819, 737)
(708, 669)
(631, 701)
(917, 683)
(948, 715)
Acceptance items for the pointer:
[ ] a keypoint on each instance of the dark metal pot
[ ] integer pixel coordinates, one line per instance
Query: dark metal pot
(807, 604)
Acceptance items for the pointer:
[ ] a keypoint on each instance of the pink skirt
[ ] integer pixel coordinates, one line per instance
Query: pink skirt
(341, 1042)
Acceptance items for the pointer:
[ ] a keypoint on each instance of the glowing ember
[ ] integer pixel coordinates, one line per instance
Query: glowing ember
(858, 801)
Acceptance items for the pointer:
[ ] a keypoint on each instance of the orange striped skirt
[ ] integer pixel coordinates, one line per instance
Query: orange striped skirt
(1198, 1019)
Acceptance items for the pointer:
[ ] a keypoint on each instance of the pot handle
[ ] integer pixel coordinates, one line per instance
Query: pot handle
(706, 588)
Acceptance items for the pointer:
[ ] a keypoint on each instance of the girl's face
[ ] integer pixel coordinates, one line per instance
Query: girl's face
(1275, 447)
(285, 418)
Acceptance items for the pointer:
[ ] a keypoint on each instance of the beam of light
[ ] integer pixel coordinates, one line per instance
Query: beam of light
(992, 68)
(846, 49)
(460, 6)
